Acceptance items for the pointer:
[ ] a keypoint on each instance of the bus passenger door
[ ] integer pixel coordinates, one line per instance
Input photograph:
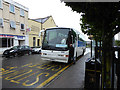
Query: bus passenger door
(75, 47)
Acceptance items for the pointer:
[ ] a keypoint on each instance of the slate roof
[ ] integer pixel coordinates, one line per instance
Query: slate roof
(42, 20)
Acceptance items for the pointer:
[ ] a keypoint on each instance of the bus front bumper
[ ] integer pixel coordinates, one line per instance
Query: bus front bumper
(57, 56)
(55, 60)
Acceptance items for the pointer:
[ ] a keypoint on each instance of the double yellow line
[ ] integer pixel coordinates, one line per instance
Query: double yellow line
(52, 77)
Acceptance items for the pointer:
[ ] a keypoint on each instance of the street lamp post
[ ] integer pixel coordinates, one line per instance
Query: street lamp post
(91, 37)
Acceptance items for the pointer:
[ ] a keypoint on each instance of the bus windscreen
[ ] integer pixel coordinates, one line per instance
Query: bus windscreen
(56, 39)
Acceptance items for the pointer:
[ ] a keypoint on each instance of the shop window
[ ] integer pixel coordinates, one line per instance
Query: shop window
(22, 26)
(1, 22)
(1, 4)
(12, 24)
(12, 8)
(6, 42)
(21, 12)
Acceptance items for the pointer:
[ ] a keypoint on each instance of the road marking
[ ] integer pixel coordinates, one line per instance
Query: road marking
(16, 73)
(1, 75)
(2, 69)
(27, 65)
(54, 69)
(13, 67)
(37, 79)
(52, 77)
(51, 67)
(46, 67)
(35, 65)
(43, 66)
(6, 72)
(23, 78)
(8, 78)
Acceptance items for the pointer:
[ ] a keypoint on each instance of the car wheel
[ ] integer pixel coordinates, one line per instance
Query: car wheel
(39, 51)
(7, 56)
(29, 53)
(15, 55)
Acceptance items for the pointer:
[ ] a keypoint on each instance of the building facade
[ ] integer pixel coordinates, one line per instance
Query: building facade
(13, 24)
(34, 39)
(49, 23)
(36, 25)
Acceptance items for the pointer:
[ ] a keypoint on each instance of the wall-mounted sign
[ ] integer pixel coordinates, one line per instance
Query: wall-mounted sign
(12, 36)
(4, 35)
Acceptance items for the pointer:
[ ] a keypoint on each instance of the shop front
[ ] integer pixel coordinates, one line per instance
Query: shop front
(8, 41)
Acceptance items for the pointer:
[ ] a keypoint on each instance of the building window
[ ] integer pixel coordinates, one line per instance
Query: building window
(22, 26)
(34, 41)
(1, 22)
(12, 8)
(1, 4)
(21, 12)
(12, 24)
(6, 42)
(38, 42)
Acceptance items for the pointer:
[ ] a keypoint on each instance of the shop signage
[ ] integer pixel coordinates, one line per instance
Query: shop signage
(6, 35)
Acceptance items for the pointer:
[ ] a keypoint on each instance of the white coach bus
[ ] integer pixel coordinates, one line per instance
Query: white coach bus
(62, 45)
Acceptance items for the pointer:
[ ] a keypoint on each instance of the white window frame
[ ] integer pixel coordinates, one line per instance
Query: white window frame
(2, 22)
(21, 28)
(1, 3)
(13, 8)
(22, 12)
(12, 25)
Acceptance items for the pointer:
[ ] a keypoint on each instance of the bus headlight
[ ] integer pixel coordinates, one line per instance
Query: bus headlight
(64, 55)
(43, 53)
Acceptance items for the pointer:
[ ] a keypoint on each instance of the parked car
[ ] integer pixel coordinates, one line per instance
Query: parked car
(36, 50)
(17, 50)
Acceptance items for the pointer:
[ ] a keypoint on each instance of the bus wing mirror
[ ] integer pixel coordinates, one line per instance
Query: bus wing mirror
(42, 31)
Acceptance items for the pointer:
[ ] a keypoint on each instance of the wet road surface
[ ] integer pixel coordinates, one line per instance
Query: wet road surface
(29, 71)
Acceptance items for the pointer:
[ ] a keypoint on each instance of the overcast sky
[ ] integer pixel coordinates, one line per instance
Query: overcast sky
(62, 15)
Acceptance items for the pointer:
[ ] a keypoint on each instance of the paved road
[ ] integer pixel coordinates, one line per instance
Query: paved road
(73, 78)
(29, 71)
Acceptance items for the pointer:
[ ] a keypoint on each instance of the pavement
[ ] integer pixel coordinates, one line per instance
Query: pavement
(73, 77)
